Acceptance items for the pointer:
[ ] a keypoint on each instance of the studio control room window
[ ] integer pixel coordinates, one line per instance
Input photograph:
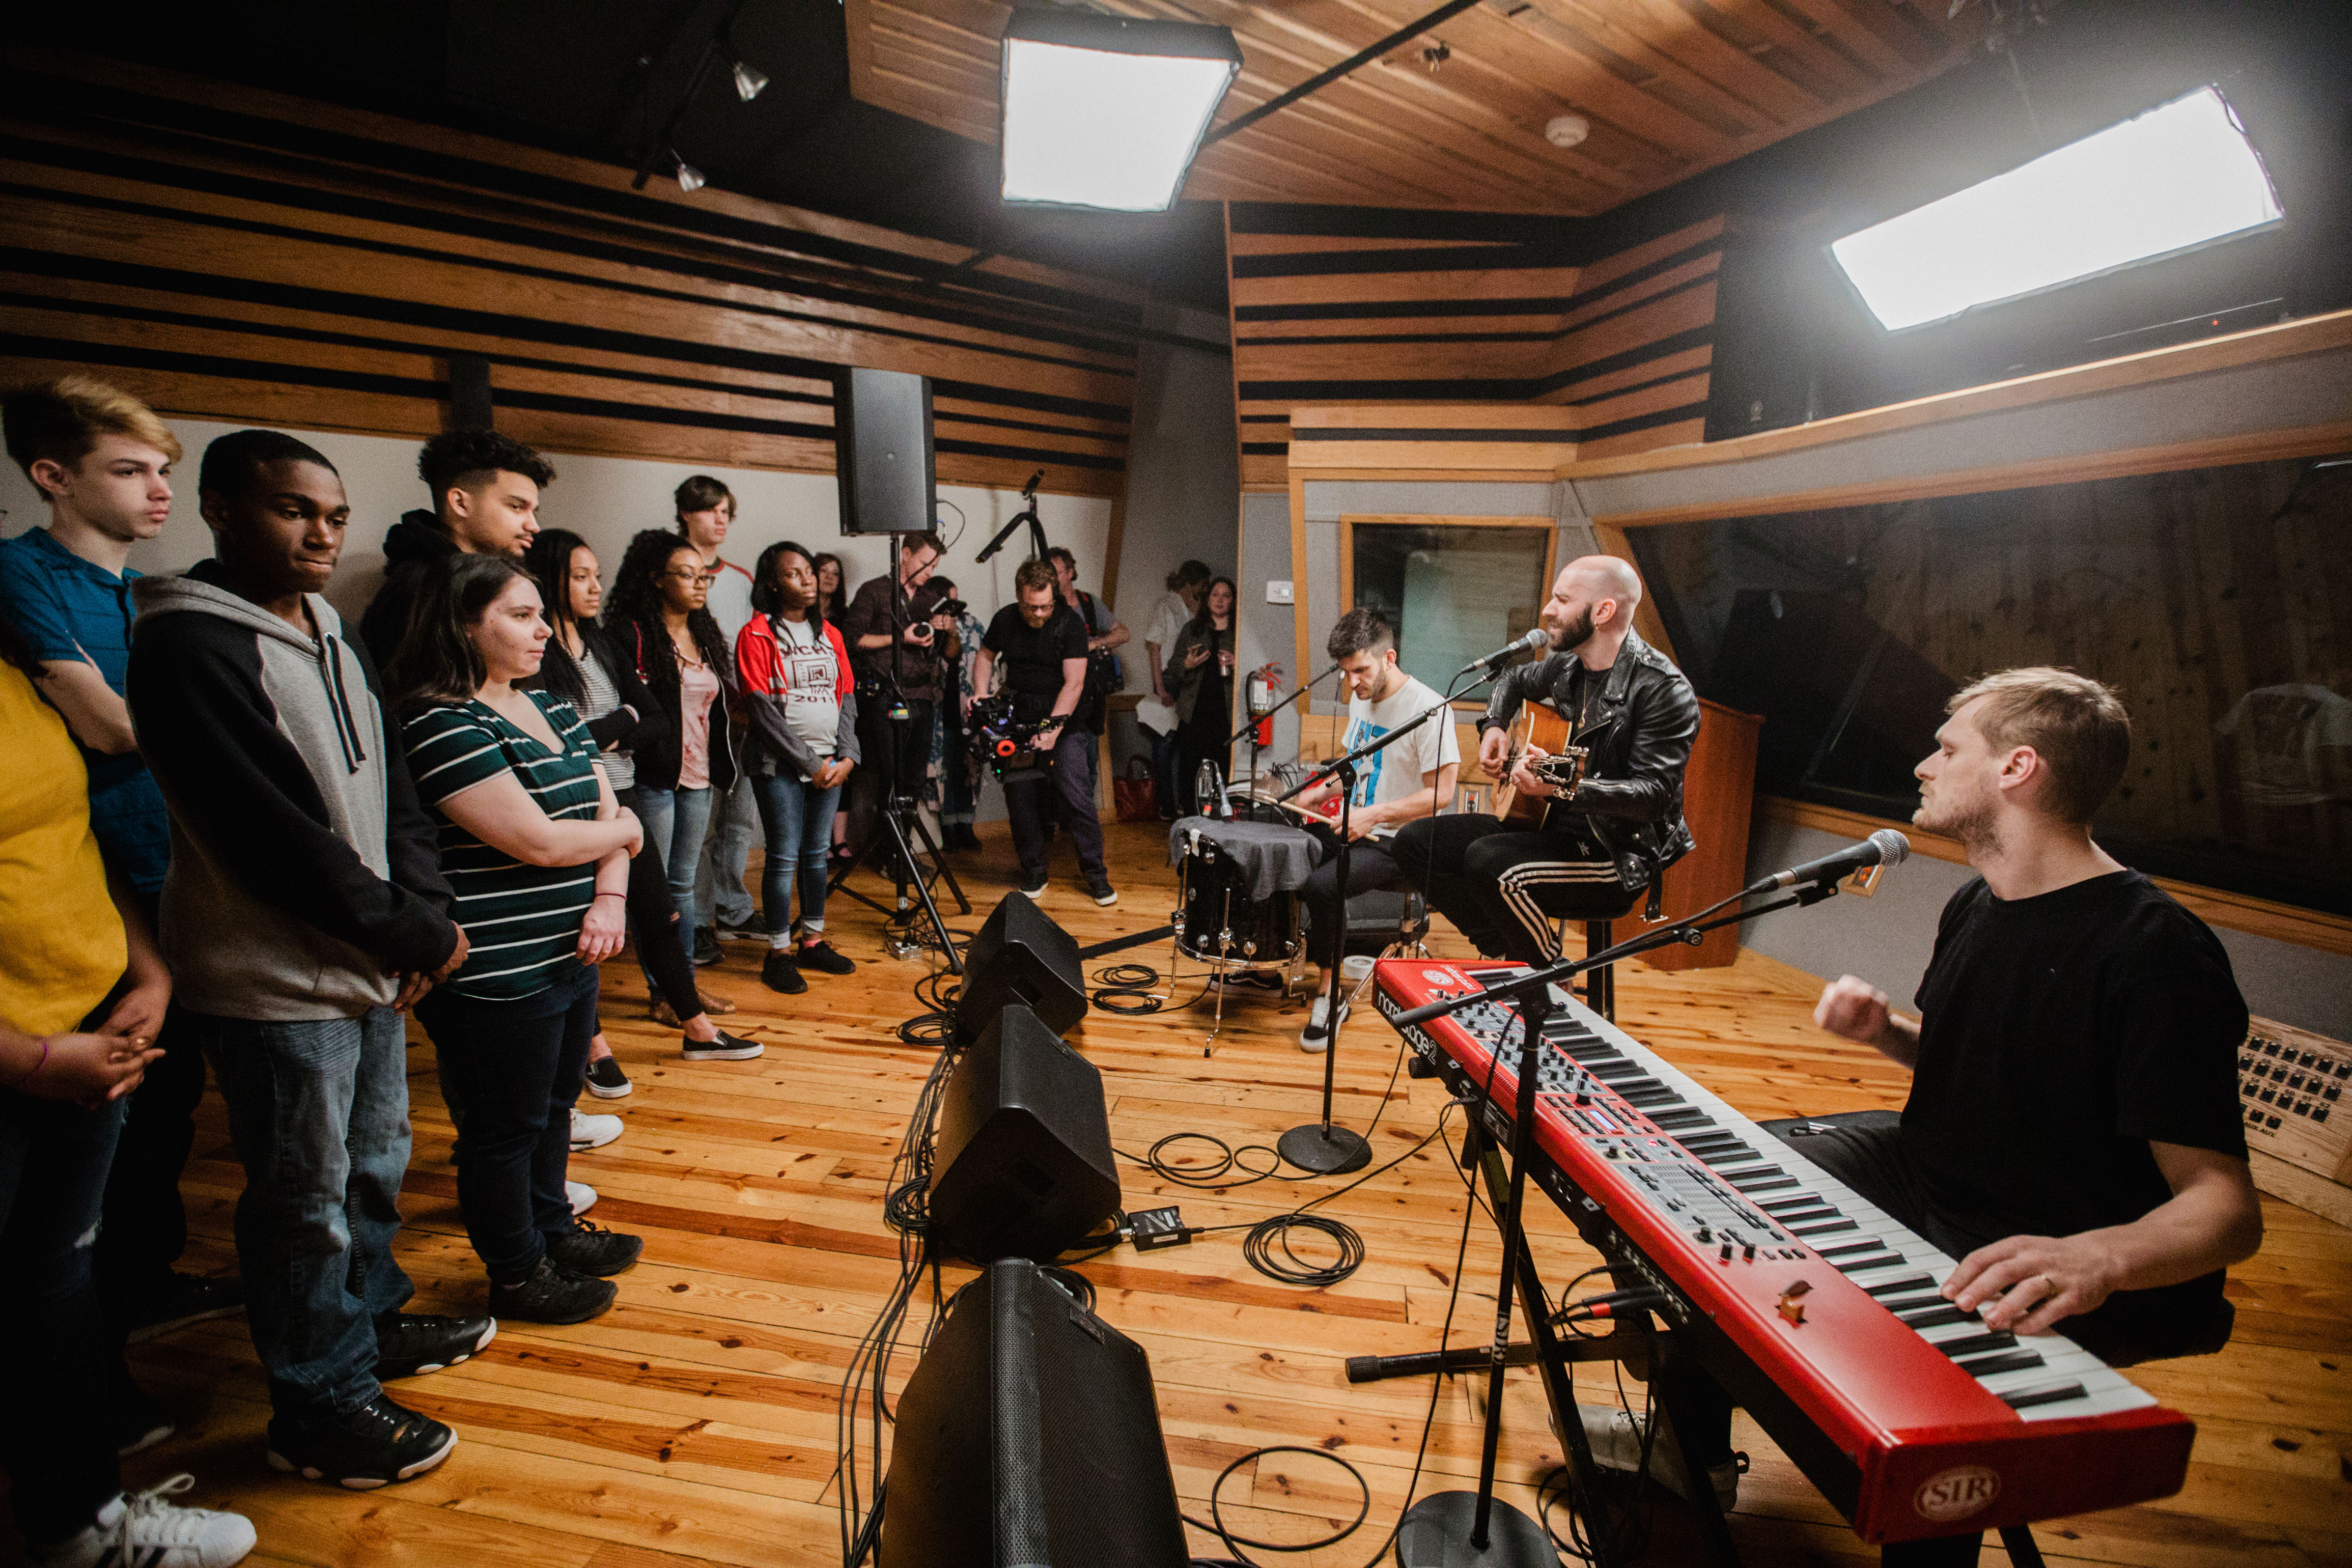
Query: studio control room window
(1455, 588)
(2218, 600)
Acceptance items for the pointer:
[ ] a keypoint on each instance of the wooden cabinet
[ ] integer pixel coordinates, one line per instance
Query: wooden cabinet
(1718, 796)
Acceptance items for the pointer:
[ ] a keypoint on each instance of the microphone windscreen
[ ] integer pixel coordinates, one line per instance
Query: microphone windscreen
(1893, 847)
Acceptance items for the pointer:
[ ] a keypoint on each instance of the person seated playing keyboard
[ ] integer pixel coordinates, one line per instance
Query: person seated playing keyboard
(2074, 1133)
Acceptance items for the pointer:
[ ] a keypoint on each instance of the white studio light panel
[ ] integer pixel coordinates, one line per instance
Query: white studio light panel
(1105, 111)
(2176, 177)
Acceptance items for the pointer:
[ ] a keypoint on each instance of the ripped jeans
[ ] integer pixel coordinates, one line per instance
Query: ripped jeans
(57, 1441)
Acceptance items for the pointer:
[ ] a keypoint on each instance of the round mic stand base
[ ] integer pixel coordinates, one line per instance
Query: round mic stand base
(1435, 1533)
(1323, 1149)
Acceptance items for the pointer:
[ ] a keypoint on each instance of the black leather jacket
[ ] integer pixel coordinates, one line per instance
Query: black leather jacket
(1631, 796)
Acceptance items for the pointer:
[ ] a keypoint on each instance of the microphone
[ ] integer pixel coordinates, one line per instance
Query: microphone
(1883, 847)
(1536, 637)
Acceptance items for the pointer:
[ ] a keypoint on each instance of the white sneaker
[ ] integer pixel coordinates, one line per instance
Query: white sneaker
(580, 1195)
(1315, 1038)
(143, 1531)
(593, 1131)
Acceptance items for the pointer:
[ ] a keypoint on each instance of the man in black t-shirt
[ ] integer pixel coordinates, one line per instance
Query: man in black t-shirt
(1042, 645)
(2074, 1135)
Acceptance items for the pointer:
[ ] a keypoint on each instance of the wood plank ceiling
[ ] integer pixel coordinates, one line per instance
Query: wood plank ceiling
(1670, 87)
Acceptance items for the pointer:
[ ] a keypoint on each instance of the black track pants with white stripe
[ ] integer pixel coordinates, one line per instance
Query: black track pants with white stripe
(1504, 890)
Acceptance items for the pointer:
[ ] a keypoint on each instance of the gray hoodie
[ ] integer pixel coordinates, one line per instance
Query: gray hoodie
(304, 876)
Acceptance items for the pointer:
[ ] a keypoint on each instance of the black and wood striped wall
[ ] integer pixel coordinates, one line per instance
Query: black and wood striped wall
(1622, 341)
(237, 255)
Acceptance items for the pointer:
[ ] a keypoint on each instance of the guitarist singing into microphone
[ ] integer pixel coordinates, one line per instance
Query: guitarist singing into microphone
(1598, 846)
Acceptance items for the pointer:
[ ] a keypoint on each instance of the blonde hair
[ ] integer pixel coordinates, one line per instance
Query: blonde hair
(61, 421)
(2076, 725)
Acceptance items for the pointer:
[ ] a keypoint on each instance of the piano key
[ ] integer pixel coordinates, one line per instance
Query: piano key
(1991, 1365)
(1844, 1248)
(1853, 1265)
(1831, 1229)
(2046, 1394)
(1978, 1344)
(1936, 1317)
(1897, 1287)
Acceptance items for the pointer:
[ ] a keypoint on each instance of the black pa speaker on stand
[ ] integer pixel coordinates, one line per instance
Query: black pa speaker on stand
(885, 465)
(1021, 957)
(1029, 1435)
(1022, 1165)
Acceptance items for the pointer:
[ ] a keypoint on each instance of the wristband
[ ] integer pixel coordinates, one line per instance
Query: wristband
(26, 1075)
(609, 895)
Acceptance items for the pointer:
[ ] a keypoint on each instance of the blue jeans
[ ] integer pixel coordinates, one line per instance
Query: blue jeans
(719, 893)
(319, 1112)
(798, 817)
(55, 1439)
(518, 1065)
(677, 822)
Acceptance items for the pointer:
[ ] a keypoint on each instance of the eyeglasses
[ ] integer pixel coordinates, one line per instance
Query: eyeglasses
(705, 578)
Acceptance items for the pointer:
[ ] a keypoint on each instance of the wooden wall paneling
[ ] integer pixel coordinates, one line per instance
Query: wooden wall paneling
(1624, 340)
(347, 259)
(1303, 613)
(1718, 797)
(2232, 911)
(2322, 333)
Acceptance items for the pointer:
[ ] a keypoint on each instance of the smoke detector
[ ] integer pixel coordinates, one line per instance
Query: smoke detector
(1567, 130)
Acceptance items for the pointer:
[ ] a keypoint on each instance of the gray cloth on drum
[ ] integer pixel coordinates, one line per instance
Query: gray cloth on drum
(1277, 858)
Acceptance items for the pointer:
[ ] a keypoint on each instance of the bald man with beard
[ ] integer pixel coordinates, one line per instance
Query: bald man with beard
(1615, 835)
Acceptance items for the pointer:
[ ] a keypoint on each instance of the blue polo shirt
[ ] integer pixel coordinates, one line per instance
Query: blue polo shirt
(68, 608)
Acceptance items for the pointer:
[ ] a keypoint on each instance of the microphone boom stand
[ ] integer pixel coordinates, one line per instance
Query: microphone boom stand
(1320, 1146)
(1435, 1532)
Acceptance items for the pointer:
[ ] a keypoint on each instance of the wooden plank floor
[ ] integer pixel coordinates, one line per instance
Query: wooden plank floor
(695, 1421)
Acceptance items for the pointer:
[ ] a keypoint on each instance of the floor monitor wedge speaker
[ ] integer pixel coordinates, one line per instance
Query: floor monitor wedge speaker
(886, 469)
(1021, 957)
(1029, 1435)
(1021, 1160)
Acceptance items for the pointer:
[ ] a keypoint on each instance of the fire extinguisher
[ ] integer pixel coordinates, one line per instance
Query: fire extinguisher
(1264, 683)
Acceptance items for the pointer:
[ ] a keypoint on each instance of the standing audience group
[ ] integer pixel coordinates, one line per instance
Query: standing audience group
(455, 810)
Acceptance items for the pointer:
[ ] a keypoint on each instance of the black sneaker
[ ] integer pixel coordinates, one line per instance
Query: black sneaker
(179, 1300)
(779, 973)
(593, 1250)
(727, 1047)
(410, 1345)
(378, 1444)
(1102, 893)
(140, 1423)
(606, 1080)
(819, 956)
(554, 1294)
(1033, 882)
(706, 947)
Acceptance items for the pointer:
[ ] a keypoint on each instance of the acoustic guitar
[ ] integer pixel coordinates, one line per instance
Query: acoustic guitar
(1543, 727)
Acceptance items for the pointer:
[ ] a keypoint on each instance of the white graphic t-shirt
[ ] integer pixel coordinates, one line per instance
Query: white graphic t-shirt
(1392, 773)
(812, 684)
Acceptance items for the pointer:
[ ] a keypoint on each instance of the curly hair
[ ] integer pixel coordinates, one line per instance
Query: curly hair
(636, 596)
(454, 457)
(767, 599)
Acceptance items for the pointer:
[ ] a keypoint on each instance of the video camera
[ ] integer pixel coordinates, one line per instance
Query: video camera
(1001, 742)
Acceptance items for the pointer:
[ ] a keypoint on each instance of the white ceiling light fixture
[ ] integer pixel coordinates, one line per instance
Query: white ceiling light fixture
(1567, 130)
(1106, 111)
(689, 178)
(748, 82)
(2176, 178)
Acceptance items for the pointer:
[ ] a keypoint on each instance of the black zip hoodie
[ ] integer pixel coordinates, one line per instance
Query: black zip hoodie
(414, 542)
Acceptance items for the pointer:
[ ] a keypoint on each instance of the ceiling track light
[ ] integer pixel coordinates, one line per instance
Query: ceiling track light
(749, 83)
(689, 178)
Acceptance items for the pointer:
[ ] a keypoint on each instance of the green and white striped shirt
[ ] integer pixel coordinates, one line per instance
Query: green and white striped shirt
(521, 922)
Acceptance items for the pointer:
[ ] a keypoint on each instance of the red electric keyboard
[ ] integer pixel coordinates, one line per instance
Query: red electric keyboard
(1910, 1414)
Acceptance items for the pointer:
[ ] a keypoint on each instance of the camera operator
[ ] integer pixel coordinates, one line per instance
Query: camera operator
(926, 636)
(1043, 645)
